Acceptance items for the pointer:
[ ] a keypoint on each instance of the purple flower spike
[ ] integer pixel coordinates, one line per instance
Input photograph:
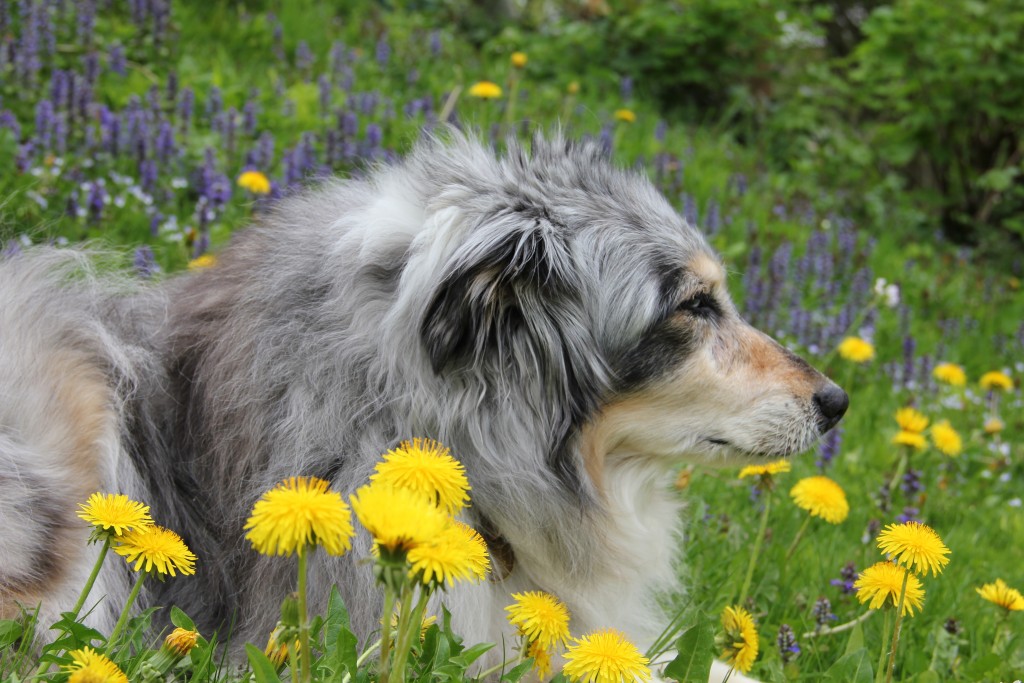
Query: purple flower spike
(789, 649)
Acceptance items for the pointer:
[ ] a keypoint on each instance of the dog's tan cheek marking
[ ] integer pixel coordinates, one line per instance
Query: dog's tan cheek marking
(767, 360)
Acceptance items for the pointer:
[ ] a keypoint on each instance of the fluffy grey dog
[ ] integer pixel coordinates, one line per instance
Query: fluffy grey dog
(548, 317)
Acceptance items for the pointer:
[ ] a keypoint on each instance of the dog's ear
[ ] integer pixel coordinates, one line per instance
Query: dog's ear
(509, 275)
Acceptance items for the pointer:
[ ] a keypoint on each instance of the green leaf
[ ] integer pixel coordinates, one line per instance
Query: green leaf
(518, 671)
(854, 667)
(262, 669)
(856, 641)
(181, 620)
(977, 669)
(10, 631)
(337, 616)
(696, 652)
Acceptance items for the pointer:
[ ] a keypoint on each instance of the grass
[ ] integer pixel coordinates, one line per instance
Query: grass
(950, 307)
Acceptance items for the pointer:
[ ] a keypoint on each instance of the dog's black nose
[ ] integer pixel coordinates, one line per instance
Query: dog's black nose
(832, 403)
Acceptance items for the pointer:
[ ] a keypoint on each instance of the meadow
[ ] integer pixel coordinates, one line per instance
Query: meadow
(156, 129)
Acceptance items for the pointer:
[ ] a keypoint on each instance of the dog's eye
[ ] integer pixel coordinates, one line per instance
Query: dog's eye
(702, 304)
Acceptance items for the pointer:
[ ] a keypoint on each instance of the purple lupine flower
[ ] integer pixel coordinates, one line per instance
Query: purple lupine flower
(161, 20)
(713, 221)
(847, 576)
(690, 212)
(44, 28)
(829, 448)
(149, 174)
(202, 244)
(155, 219)
(71, 206)
(171, 90)
(5, 18)
(660, 130)
(98, 197)
(277, 31)
(185, 108)
(214, 103)
(435, 43)
(909, 514)
(164, 147)
(789, 649)
(909, 345)
(883, 499)
(822, 609)
(45, 120)
(266, 149)
(324, 86)
(383, 51)
(144, 262)
(8, 121)
(606, 141)
(91, 66)
(60, 89)
(626, 87)
(60, 135)
(303, 57)
(26, 56)
(911, 484)
(116, 61)
(229, 128)
(250, 114)
(337, 59)
(348, 122)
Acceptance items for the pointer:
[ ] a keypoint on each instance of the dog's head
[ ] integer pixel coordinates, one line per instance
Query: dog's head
(580, 281)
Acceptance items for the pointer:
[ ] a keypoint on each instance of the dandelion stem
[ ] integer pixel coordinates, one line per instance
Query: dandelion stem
(757, 549)
(407, 624)
(112, 640)
(841, 627)
(92, 577)
(385, 632)
(82, 598)
(896, 629)
(796, 540)
(306, 656)
(728, 674)
(885, 645)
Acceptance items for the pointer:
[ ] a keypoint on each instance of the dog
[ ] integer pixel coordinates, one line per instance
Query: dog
(549, 317)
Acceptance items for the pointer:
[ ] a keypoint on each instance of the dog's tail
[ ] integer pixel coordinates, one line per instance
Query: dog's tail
(63, 373)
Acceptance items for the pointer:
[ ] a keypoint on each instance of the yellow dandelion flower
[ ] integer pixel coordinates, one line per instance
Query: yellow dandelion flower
(89, 666)
(458, 553)
(277, 652)
(157, 549)
(181, 641)
(951, 374)
(485, 90)
(426, 467)
(996, 380)
(912, 439)
(255, 182)
(772, 468)
(398, 519)
(605, 657)
(1000, 594)
(626, 115)
(298, 513)
(115, 513)
(994, 425)
(541, 617)
(884, 580)
(204, 261)
(915, 545)
(741, 642)
(821, 497)
(519, 59)
(946, 439)
(541, 659)
(911, 420)
(856, 349)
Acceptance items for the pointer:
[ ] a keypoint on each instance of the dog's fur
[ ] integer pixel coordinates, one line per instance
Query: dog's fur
(549, 318)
